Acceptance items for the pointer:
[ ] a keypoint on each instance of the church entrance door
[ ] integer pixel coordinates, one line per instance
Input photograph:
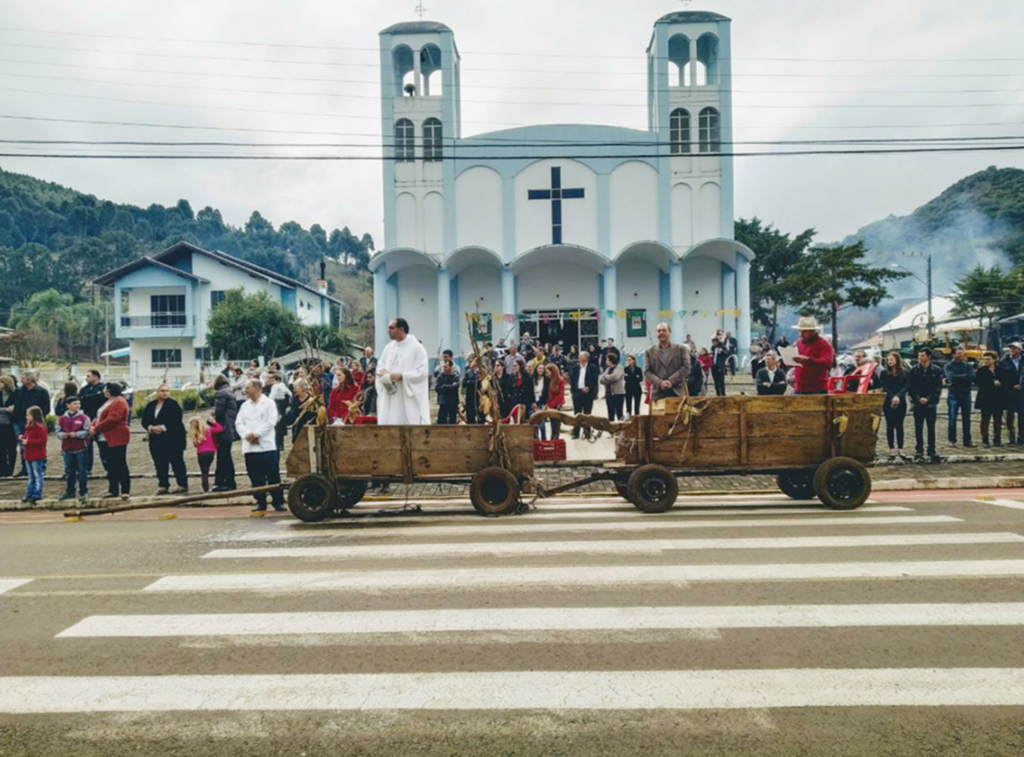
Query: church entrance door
(562, 327)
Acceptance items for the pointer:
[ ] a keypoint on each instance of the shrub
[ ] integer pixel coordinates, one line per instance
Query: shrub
(51, 424)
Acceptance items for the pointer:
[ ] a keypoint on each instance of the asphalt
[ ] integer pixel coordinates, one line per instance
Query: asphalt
(120, 641)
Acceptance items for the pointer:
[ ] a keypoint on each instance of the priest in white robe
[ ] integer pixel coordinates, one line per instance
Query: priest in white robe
(403, 388)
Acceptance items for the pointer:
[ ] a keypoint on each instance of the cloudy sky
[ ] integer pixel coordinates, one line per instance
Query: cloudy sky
(306, 71)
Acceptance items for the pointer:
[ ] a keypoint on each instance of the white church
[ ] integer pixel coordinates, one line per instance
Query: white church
(569, 232)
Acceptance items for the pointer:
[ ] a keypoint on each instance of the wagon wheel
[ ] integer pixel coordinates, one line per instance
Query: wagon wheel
(797, 484)
(622, 487)
(349, 493)
(842, 483)
(494, 491)
(653, 488)
(312, 497)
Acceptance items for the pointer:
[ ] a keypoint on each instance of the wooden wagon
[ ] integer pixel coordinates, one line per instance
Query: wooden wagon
(333, 466)
(816, 445)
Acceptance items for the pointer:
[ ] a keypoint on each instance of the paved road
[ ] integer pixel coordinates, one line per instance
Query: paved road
(735, 625)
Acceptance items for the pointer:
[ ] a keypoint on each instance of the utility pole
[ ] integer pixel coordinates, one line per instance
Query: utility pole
(931, 320)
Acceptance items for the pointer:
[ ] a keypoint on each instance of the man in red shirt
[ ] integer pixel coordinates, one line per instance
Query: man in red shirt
(815, 359)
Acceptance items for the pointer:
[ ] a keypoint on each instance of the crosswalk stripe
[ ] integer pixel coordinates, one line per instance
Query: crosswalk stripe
(647, 546)
(519, 690)
(550, 525)
(6, 584)
(582, 576)
(549, 619)
(1013, 504)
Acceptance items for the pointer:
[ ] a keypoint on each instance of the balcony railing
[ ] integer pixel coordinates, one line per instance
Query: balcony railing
(156, 321)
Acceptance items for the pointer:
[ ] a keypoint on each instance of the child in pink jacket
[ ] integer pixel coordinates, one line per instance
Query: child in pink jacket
(203, 436)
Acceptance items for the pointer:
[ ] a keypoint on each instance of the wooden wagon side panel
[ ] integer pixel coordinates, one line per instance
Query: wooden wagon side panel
(429, 451)
(754, 432)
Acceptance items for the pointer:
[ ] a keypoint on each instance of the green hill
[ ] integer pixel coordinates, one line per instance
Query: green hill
(54, 237)
(979, 219)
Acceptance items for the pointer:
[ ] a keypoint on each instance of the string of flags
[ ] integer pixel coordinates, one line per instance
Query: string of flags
(579, 315)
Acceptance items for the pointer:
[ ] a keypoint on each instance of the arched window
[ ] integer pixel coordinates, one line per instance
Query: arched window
(432, 142)
(405, 141)
(710, 130)
(679, 58)
(430, 68)
(679, 129)
(707, 57)
(405, 82)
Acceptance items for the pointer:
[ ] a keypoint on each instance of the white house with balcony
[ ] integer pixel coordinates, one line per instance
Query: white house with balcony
(568, 232)
(162, 304)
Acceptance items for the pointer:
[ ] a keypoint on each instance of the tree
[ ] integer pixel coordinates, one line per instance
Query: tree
(324, 338)
(30, 347)
(58, 315)
(771, 271)
(988, 294)
(252, 325)
(828, 279)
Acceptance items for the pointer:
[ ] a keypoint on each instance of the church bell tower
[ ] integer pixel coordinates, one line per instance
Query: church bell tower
(689, 94)
(420, 121)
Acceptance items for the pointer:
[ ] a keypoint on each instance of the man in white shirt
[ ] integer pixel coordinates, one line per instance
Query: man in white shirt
(255, 423)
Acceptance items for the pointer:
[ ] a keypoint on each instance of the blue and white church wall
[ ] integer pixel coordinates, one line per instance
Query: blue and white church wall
(504, 224)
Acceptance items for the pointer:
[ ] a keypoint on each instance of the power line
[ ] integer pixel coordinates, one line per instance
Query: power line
(360, 116)
(464, 86)
(376, 65)
(192, 127)
(570, 156)
(515, 144)
(637, 56)
(638, 92)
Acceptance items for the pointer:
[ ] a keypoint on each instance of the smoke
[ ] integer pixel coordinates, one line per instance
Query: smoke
(958, 241)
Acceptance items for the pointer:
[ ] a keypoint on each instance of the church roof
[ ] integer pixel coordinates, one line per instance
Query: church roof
(417, 27)
(691, 17)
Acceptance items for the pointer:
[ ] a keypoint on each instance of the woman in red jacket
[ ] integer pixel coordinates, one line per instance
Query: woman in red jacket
(111, 429)
(555, 394)
(344, 393)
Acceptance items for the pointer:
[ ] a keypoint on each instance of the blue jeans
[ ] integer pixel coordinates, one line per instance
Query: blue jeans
(76, 467)
(530, 411)
(959, 403)
(36, 473)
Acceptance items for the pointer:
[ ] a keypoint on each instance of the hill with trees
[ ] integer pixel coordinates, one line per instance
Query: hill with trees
(978, 221)
(54, 238)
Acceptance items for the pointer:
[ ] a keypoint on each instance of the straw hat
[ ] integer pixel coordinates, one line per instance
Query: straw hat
(807, 323)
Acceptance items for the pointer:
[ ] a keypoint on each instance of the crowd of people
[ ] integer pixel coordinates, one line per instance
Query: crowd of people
(257, 406)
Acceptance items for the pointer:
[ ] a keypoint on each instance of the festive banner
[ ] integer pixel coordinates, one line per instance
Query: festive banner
(636, 323)
(665, 314)
(510, 317)
(609, 313)
(621, 313)
(482, 326)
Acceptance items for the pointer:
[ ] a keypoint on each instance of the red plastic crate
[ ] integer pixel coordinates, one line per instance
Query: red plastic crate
(549, 451)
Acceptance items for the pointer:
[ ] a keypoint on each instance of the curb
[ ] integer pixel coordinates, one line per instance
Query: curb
(892, 485)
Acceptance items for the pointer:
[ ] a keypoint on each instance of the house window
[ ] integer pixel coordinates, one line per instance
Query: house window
(405, 141)
(167, 311)
(335, 315)
(204, 355)
(166, 359)
(125, 301)
(216, 298)
(432, 142)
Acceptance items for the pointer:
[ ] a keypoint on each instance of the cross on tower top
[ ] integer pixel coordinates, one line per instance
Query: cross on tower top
(420, 10)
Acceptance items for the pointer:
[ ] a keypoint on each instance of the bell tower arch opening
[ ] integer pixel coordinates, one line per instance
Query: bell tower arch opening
(679, 60)
(707, 60)
(432, 70)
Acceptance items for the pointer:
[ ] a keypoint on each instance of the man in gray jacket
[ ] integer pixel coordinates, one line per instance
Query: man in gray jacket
(666, 366)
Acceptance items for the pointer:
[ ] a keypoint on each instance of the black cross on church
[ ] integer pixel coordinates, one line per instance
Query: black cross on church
(556, 194)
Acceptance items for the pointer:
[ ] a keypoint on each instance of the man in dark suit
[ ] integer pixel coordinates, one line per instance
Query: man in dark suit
(583, 383)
